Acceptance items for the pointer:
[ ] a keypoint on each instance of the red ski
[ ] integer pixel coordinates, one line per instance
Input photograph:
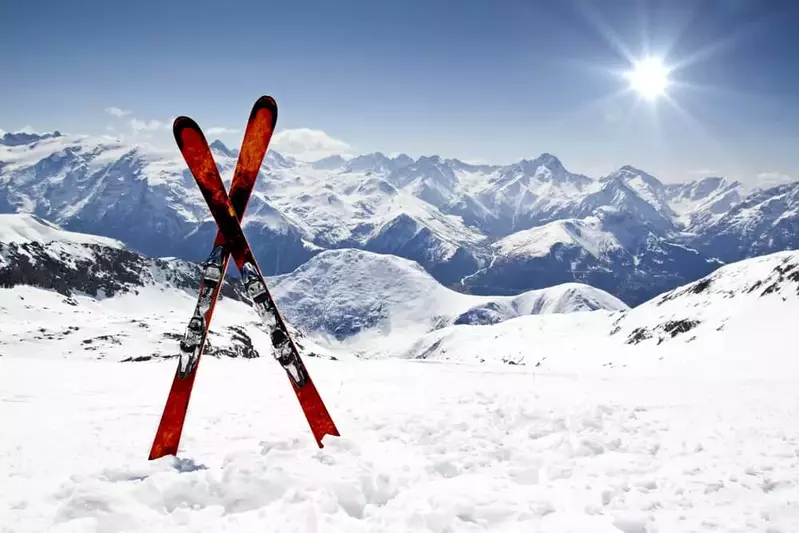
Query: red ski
(195, 150)
(260, 127)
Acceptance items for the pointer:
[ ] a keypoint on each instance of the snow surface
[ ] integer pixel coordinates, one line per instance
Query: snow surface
(22, 228)
(424, 447)
(379, 303)
(578, 431)
(587, 234)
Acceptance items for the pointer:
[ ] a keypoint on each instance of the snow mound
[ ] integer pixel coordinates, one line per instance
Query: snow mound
(351, 293)
(751, 295)
(424, 447)
(24, 228)
(737, 322)
(587, 234)
(563, 298)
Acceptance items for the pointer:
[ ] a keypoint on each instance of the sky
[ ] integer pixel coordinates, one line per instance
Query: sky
(489, 81)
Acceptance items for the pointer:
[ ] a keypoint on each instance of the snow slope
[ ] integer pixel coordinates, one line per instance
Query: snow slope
(368, 298)
(24, 228)
(424, 447)
(716, 326)
(752, 301)
(579, 431)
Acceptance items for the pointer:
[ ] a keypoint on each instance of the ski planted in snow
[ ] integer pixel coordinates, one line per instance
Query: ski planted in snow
(195, 150)
(260, 127)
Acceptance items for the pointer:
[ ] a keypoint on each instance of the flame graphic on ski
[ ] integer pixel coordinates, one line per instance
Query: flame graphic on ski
(195, 150)
(260, 127)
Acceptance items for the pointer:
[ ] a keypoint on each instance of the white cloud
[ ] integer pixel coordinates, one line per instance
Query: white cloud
(308, 144)
(27, 129)
(152, 125)
(109, 127)
(772, 179)
(2, 131)
(116, 111)
(221, 130)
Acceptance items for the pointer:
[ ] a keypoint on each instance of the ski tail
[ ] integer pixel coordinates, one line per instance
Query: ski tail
(260, 126)
(195, 150)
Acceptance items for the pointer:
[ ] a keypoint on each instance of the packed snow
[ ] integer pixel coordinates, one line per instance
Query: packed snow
(576, 431)
(424, 447)
(23, 228)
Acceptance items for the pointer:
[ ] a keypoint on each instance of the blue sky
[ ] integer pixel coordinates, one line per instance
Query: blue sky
(490, 81)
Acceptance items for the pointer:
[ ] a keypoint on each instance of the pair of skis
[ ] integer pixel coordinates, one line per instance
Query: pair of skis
(228, 210)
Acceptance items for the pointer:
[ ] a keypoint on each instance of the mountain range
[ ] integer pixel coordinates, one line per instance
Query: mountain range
(93, 292)
(478, 229)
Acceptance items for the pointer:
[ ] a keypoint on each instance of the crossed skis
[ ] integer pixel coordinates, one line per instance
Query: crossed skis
(230, 241)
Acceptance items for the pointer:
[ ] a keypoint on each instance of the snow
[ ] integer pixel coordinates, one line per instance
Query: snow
(582, 432)
(678, 415)
(424, 447)
(23, 228)
(586, 233)
(379, 303)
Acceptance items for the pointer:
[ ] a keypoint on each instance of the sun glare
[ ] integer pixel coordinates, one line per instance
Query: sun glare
(649, 78)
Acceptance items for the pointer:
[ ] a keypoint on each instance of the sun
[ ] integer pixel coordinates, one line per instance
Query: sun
(649, 78)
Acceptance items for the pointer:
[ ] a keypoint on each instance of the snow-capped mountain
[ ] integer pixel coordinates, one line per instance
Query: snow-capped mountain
(465, 224)
(699, 202)
(67, 294)
(38, 253)
(339, 295)
(736, 321)
(764, 222)
(360, 296)
(735, 297)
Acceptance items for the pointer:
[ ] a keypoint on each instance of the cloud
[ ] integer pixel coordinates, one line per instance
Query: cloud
(152, 125)
(308, 144)
(221, 130)
(773, 179)
(116, 111)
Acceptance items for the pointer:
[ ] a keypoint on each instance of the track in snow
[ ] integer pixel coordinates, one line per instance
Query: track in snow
(425, 447)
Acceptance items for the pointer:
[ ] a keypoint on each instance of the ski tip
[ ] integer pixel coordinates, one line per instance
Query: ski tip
(267, 103)
(180, 125)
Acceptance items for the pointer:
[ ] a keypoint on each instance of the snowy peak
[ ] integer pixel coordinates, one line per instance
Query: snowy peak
(427, 172)
(635, 177)
(700, 202)
(585, 234)
(374, 162)
(766, 221)
(620, 203)
(645, 186)
(20, 138)
(275, 159)
(545, 168)
(563, 298)
(329, 163)
(218, 147)
(701, 189)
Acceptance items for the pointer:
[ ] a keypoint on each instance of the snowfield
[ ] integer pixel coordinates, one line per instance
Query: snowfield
(471, 413)
(424, 447)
